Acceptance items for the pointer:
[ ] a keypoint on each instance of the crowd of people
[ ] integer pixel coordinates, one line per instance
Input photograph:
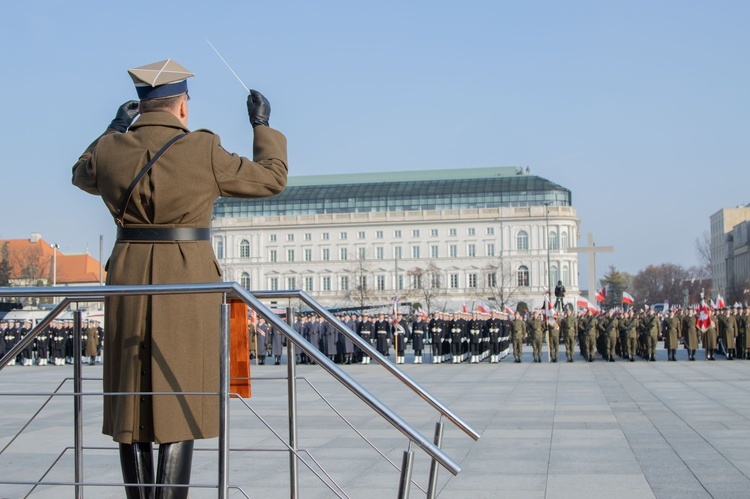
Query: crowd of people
(54, 344)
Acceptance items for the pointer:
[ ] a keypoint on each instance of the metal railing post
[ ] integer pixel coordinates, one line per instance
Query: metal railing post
(224, 403)
(77, 404)
(438, 441)
(407, 464)
(291, 369)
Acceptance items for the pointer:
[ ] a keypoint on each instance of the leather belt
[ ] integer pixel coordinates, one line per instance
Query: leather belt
(163, 234)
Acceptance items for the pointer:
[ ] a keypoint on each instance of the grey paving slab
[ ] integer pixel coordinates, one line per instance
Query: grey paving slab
(642, 429)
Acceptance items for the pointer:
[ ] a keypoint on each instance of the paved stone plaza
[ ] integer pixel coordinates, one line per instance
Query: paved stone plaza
(644, 429)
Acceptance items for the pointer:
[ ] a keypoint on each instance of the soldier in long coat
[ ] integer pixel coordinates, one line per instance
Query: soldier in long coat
(535, 327)
(436, 329)
(168, 343)
(418, 329)
(690, 333)
(569, 330)
(517, 332)
(672, 333)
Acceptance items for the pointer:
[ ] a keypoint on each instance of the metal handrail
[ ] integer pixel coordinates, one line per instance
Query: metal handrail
(235, 290)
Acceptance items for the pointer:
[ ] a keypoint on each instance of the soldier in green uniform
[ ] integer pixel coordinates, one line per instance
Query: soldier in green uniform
(536, 332)
(609, 327)
(569, 330)
(672, 331)
(651, 327)
(709, 340)
(727, 332)
(745, 329)
(630, 325)
(517, 332)
(589, 332)
(690, 333)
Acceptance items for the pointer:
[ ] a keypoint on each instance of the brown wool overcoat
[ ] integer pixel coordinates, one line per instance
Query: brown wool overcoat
(168, 343)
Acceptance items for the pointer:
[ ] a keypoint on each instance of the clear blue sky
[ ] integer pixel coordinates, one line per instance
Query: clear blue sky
(639, 107)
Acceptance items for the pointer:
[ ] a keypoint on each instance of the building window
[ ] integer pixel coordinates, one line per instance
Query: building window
(454, 280)
(380, 282)
(472, 280)
(309, 283)
(415, 251)
(343, 235)
(434, 233)
(344, 283)
(492, 280)
(245, 280)
(379, 234)
(361, 253)
(415, 233)
(308, 254)
(326, 283)
(244, 249)
(362, 282)
(290, 237)
(290, 255)
(379, 253)
(416, 281)
(522, 240)
(397, 252)
(553, 240)
(564, 240)
(396, 233)
(566, 275)
(471, 250)
(523, 276)
(361, 234)
(554, 276)
(219, 248)
(490, 249)
(453, 250)
(434, 251)
(326, 254)
(291, 283)
(343, 254)
(490, 231)
(273, 283)
(272, 238)
(308, 236)
(452, 232)
(471, 231)
(435, 281)
(272, 255)
(325, 236)
(400, 282)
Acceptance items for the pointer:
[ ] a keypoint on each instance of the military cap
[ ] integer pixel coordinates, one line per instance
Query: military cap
(160, 79)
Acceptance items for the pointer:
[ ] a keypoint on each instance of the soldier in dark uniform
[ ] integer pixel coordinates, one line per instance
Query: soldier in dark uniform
(476, 328)
(329, 335)
(344, 345)
(495, 332)
(69, 332)
(367, 332)
(418, 330)
(518, 331)
(457, 338)
(436, 330)
(28, 352)
(559, 295)
(276, 341)
(382, 334)
(57, 344)
(401, 331)
(10, 338)
(569, 330)
(262, 337)
(3, 328)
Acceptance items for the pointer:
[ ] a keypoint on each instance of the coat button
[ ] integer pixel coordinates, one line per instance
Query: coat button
(143, 373)
(142, 427)
(143, 399)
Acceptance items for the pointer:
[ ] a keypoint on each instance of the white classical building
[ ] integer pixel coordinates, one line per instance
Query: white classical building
(440, 238)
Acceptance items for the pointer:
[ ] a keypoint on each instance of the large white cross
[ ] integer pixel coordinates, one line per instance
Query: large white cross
(592, 249)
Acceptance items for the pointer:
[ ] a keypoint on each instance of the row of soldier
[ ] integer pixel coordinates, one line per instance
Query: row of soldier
(54, 344)
(461, 337)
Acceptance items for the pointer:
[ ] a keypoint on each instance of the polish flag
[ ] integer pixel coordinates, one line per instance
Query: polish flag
(509, 311)
(627, 299)
(720, 303)
(703, 321)
(601, 295)
(463, 308)
(422, 314)
(549, 312)
(483, 308)
(585, 304)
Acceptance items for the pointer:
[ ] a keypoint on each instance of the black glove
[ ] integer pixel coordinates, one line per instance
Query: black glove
(258, 108)
(125, 116)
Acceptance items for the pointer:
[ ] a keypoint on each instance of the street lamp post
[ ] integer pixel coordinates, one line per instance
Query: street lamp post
(54, 267)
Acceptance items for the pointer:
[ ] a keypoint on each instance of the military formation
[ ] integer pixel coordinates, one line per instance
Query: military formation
(54, 344)
(477, 337)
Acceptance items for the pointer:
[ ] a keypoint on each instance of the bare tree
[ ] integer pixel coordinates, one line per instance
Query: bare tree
(360, 290)
(5, 266)
(501, 285)
(703, 250)
(33, 267)
(427, 285)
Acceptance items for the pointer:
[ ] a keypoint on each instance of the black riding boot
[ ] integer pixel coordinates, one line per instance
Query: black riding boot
(137, 463)
(175, 463)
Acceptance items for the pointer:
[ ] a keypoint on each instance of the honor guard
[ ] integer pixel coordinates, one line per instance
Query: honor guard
(476, 326)
(569, 330)
(610, 329)
(495, 332)
(690, 333)
(436, 329)
(590, 325)
(517, 333)
(535, 327)
(418, 330)
(10, 338)
(672, 333)
(400, 333)
(366, 331)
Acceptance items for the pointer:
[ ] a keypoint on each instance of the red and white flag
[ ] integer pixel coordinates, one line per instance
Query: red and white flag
(396, 299)
(422, 314)
(627, 299)
(720, 303)
(549, 312)
(601, 295)
(483, 308)
(703, 320)
(509, 311)
(583, 303)
(463, 308)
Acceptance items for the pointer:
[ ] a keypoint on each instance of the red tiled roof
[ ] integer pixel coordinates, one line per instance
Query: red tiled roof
(71, 268)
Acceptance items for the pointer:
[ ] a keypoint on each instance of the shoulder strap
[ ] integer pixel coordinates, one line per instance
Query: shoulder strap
(119, 218)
